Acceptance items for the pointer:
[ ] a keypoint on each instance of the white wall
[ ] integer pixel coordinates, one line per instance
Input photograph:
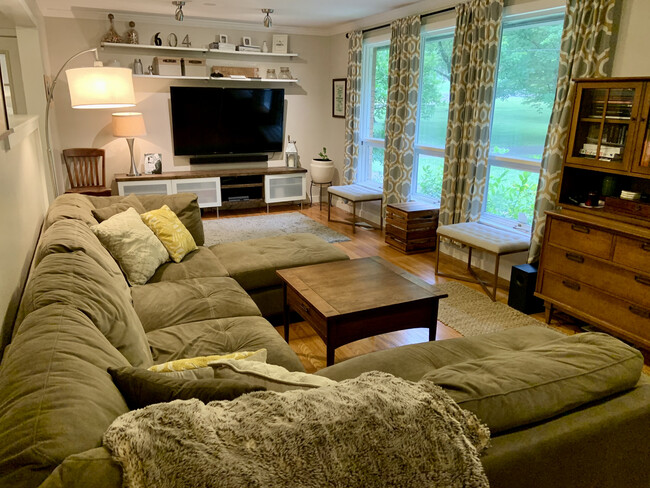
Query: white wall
(22, 206)
(632, 57)
(308, 105)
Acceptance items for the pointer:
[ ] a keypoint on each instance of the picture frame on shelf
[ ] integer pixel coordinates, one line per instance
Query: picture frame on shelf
(152, 163)
(223, 38)
(280, 43)
(246, 41)
(339, 89)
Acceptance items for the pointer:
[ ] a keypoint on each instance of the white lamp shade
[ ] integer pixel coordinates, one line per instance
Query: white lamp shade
(128, 124)
(100, 87)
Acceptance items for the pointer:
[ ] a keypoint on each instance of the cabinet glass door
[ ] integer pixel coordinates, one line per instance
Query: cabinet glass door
(641, 163)
(604, 124)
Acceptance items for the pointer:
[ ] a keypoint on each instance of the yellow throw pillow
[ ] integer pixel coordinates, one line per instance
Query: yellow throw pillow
(202, 361)
(170, 230)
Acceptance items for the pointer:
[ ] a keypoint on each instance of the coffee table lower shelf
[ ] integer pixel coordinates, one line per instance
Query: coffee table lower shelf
(391, 300)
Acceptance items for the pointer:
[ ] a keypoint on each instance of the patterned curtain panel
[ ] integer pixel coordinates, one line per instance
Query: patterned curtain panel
(401, 111)
(352, 108)
(587, 40)
(473, 73)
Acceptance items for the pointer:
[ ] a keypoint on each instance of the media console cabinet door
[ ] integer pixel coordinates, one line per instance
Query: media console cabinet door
(140, 187)
(284, 188)
(208, 190)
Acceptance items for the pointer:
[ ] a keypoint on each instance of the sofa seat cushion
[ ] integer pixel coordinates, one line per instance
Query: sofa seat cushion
(69, 235)
(517, 388)
(57, 396)
(77, 280)
(168, 303)
(413, 361)
(253, 262)
(222, 336)
(198, 264)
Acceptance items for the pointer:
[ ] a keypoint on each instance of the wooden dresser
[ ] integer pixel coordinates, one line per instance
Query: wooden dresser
(598, 270)
(595, 261)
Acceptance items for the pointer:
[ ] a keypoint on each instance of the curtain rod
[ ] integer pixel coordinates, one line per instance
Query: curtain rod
(444, 10)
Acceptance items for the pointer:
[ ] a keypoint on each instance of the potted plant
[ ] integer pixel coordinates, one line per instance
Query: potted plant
(322, 168)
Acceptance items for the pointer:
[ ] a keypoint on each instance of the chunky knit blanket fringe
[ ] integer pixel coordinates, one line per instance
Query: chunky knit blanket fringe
(372, 431)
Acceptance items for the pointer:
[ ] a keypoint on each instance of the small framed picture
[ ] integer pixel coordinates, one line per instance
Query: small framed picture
(223, 38)
(153, 163)
(339, 86)
(280, 43)
(246, 41)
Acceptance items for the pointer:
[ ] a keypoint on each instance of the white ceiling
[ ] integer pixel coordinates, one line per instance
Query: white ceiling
(318, 14)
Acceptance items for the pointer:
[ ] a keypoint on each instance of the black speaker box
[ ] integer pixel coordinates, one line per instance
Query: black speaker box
(522, 288)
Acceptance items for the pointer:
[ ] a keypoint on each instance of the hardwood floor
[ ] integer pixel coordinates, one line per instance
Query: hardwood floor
(365, 242)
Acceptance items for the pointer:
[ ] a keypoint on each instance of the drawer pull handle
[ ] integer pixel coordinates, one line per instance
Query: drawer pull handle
(646, 246)
(571, 284)
(304, 308)
(580, 228)
(575, 257)
(641, 312)
(644, 280)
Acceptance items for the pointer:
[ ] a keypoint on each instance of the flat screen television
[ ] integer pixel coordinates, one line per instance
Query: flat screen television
(210, 121)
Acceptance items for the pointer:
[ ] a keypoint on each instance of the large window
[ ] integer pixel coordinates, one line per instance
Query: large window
(374, 93)
(433, 109)
(526, 81)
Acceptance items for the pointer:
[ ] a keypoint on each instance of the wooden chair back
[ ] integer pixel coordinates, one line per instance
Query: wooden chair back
(85, 167)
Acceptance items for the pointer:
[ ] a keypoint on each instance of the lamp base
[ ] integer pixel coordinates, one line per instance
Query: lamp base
(134, 169)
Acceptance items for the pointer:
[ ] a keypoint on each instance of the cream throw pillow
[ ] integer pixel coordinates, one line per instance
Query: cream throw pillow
(132, 244)
(270, 376)
(170, 230)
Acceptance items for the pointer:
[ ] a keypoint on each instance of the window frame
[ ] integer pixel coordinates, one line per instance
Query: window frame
(366, 140)
(422, 149)
(515, 20)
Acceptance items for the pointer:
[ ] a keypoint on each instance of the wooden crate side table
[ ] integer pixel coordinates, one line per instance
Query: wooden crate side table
(411, 227)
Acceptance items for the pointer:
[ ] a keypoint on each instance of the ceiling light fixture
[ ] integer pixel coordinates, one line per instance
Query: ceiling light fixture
(267, 19)
(178, 15)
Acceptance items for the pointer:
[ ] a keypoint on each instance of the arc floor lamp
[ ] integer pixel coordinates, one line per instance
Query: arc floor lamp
(90, 87)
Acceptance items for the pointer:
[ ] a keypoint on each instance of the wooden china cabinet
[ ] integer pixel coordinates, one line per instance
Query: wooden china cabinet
(595, 261)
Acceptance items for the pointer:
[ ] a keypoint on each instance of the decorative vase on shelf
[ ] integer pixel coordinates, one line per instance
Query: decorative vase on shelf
(131, 36)
(111, 35)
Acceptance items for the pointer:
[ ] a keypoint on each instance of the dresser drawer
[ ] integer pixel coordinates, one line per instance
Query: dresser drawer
(581, 237)
(634, 253)
(605, 309)
(582, 268)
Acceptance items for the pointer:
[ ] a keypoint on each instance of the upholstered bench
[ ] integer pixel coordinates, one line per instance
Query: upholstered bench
(355, 194)
(485, 238)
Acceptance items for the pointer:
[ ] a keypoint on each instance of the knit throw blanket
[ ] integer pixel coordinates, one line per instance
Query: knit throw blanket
(372, 431)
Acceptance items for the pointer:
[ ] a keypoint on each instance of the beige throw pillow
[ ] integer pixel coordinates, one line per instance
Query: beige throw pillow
(133, 245)
(270, 376)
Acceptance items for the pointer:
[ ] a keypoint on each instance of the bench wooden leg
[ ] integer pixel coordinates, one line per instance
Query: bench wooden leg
(354, 217)
(437, 253)
(329, 206)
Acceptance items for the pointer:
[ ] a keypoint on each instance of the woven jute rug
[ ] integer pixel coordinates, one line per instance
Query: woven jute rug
(472, 313)
(219, 231)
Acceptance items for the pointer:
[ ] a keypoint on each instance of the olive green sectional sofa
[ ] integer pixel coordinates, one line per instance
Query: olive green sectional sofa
(582, 419)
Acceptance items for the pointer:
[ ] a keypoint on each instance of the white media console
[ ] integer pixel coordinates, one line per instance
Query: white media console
(223, 188)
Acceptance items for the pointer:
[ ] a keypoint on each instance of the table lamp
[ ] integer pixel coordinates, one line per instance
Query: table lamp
(129, 125)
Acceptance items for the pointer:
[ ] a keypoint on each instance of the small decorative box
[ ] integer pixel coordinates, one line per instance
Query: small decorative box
(194, 67)
(166, 66)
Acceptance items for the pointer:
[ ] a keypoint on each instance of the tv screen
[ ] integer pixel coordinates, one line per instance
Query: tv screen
(213, 121)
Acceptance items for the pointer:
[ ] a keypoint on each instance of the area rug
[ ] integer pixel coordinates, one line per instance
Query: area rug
(219, 231)
(472, 313)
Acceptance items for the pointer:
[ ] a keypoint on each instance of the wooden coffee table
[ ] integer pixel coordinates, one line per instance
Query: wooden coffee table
(350, 300)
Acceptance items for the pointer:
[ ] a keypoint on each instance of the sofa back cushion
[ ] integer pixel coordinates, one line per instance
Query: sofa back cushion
(77, 280)
(515, 388)
(70, 206)
(186, 208)
(65, 236)
(57, 396)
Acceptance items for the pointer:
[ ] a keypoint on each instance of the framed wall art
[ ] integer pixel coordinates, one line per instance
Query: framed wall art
(280, 43)
(339, 86)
